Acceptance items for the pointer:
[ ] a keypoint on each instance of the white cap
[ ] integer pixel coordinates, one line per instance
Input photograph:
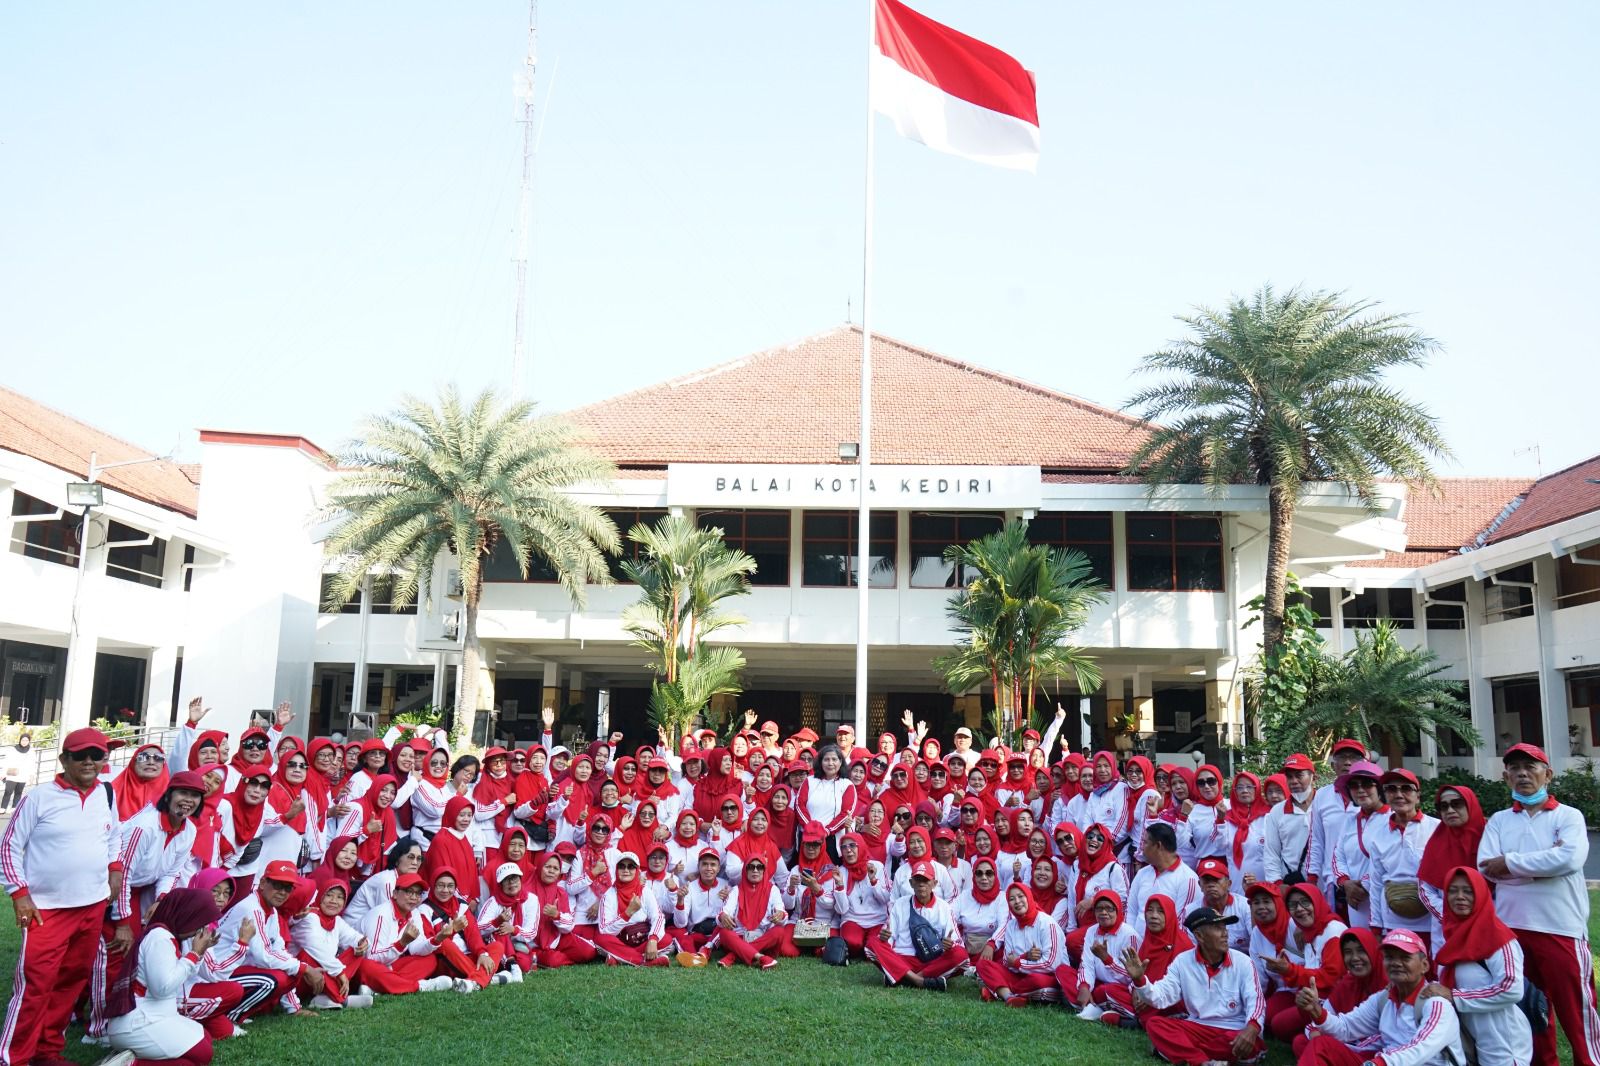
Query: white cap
(507, 869)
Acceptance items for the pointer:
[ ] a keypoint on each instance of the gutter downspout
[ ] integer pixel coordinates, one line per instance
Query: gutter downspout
(1538, 636)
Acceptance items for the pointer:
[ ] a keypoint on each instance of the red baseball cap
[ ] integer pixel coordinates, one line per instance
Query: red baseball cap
(566, 849)
(1349, 744)
(807, 734)
(1026, 733)
(924, 869)
(416, 880)
(88, 739)
(1298, 761)
(658, 763)
(1532, 751)
(1400, 775)
(944, 833)
(813, 833)
(1212, 867)
(770, 727)
(189, 780)
(283, 870)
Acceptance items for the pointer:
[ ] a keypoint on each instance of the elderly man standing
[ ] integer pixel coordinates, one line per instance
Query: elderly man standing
(1218, 989)
(1534, 853)
(60, 863)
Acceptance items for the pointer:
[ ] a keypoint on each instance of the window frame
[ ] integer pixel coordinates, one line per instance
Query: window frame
(1062, 541)
(712, 518)
(1174, 545)
(957, 517)
(852, 540)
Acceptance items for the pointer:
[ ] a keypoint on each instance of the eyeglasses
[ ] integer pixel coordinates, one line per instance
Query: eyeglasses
(1301, 903)
(902, 817)
(1452, 805)
(254, 744)
(1388, 789)
(983, 873)
(149, 756)
(86, 755)
(294, 766)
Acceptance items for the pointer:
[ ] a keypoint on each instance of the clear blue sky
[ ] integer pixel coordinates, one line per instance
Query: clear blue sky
(280, 217)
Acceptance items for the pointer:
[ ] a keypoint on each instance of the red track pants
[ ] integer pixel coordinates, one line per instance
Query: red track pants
(1563, 969)
(1041, 986)
(52, 972)
(779, 940)
(1183, 1041)
(895, 966)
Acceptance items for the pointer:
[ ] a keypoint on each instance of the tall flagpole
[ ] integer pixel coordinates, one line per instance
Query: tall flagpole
(864, 460)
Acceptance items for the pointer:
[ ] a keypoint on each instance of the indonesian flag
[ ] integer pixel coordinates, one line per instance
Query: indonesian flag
(953, 92)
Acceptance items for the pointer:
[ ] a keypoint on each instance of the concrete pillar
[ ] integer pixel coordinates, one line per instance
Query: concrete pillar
(386, 700)
(552, 687)
(1480, 690)
(358, 691)
(1553, 706)
(83, 641)
(159, 676)
(1144, 703)
(575, 693)
(1429, 746)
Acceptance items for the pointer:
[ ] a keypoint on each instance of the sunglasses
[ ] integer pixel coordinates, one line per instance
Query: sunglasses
(1452, 805)
(254, 744)
(87, 755)
(902, 817)
(150, 756)
(983, 873)
(1207, 782)
(294, 766)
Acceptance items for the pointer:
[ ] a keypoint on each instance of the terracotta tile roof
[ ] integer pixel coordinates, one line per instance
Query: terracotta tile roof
(1555, 498)
(797, 403)
(1403, 560)
(30, 428)
(1467, 506)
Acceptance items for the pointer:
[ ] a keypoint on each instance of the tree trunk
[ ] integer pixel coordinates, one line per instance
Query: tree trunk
(471, 658)
(1280, 530)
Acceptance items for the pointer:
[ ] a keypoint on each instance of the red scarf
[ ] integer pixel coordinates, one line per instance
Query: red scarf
(1277, 931)
(751, 844)
(1321, 913)
(1475, 937)
(627, 892)
(283, 792)
(638, 837)
(713, 786)
(509, 902)
(1157, 950)
(496, 857)
(1136, 796)
(452, 849)
(326, 870)
(377, 845)
(1046, 897)
(319, 783)
(1350, 991)
(986, 896)
(589, 855)
(857, 873)
(1089, 865)
(1452, 846)
(238, 761)
(692, 837)
(1241, 816)
(753, 900)
(246, 817)
(133, 792)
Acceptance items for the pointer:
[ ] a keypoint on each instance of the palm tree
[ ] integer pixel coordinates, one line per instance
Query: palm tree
(429, 479)
(1282, 390)
(684, 573)
(1381, 690)
(1019, 606)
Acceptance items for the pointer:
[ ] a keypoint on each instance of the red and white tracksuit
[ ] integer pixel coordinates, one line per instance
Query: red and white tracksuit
(898, 957)
(57, 850)
(862, 908)
(768, 937)
(1409, 1032)
(1045, 979)
(1219, 1001)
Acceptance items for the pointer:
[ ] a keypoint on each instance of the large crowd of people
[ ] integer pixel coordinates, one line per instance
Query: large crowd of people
(169, 903)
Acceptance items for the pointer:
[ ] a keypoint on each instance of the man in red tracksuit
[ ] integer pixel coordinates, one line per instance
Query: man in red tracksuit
(59, 862)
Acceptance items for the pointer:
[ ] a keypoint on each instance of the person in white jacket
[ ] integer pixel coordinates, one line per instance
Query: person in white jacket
(754, 919)
(628, 902)
(1105, 942)
(1534, 853)
(896, 952)
(323, 936)
(861, 895)
(146, 1023)
(1395, 845)
(1027, 960)
(1217, 987)
(1286, 841)
(1481, 966)
(1414, 1027)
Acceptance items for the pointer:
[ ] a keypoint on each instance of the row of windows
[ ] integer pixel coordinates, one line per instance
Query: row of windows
(58, 540)
(1166, 553)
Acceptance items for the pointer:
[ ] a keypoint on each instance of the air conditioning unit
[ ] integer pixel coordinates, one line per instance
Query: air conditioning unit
(1503, 599)
(452, 626)
(453, 585)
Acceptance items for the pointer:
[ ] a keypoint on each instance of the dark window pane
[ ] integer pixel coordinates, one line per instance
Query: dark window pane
(1199, 569)
(882, 527)
(1149, 530)
(1101, 556)
(1150, 567)
(972, 527)
(882, 563)
(1088, 527)
(1320, 600)
(822, 524)
(933, 527)
(141, 563)
(1401, 608)
(772, 564)
(766, 524)
(826, 567)
(1200, 530)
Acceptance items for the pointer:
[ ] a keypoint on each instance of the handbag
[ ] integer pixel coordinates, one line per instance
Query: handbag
(811, 933)
(975, 943)
(539, 834)
(634, 934)
(1535, 1006)
(1403, 899)
(925, 939)
(836, 952)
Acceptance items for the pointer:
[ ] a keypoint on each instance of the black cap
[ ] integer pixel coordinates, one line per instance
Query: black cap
(1206, 916)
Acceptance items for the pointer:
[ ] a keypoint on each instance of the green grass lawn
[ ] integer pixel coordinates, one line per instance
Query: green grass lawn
(802, 1012)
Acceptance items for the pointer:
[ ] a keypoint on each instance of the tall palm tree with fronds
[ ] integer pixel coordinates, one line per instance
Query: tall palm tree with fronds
(1016, 612)
(430, 479)
(1281, 390)
(684, 573)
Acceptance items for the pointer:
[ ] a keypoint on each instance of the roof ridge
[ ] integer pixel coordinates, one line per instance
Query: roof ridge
(1007, 379)
(143, 452)
(1499, 520)
(1567, 469)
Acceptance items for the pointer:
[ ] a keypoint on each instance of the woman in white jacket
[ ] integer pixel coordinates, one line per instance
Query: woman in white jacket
(1022, 963)
(145, 1019)
(861, 895)
(1481, 963)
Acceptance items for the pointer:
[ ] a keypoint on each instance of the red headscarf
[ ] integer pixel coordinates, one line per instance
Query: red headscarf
(455, 851)
(1046, 897)
(1350, 990)
(377, 845)
(1013, 843)
(133, 792)
(1069, 790)
(908, 796)
(1136, 797)
(645, 790)
(1281, 781)
(284, 792)
(247, 816)
(1240, 815)
(753, 899)
(1450, 847)
(324, 885)
(589, 855)
(1114, 899)
(326, 869)
(1475, 937)
(1277, 932)
(496, 857)
(1089, 865)
(509, 902)
(714, 785)
(490, 789)
(627, 789)
(1157, 950)
(1028, 916)
(638, 837)
(750, 843)
(984, 896)
(1173, 811)
(1198, 796)
(857, 873)
(214, 737)
(320, 784)
(1321, 913)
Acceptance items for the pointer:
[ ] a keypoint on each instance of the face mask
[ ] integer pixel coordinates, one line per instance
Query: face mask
(1534, 800)
(1301, 796)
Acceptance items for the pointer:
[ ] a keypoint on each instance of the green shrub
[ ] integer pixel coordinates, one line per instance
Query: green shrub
(1578, 787)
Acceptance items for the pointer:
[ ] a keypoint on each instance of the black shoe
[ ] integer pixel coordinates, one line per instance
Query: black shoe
(936, 984)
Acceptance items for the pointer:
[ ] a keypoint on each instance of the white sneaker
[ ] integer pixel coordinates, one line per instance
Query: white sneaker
(238, 1031)
(357, 1001)
(515, 974)
(120, 1058)
(466, 987)
(321, 1002)
(501, 978)
(363, 990)
(96, 1041)
(436, 984)
(1091, 1012)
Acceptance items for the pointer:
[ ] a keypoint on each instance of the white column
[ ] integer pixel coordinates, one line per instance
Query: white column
(159, 676)
(358, 691)
(1553, 707)
(1419, 615)
(83, 634)
(1486, 757)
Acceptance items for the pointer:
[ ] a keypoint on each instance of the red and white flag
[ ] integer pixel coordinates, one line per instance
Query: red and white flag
(952, 92)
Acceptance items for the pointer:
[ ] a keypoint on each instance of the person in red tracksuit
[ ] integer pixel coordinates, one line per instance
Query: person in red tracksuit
(59, 862)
